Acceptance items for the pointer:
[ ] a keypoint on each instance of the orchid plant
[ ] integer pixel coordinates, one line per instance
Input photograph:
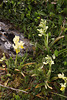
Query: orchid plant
(42, 32)
(63, 85)
(48, 60)
(17, 46)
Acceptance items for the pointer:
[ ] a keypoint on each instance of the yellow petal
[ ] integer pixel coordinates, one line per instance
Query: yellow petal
(62, 88)
(17, 51)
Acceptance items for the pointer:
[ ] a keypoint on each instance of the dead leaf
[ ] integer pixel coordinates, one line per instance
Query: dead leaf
(6, 82)
(29, 64)
(38, 95)
(37, 86)
(20, 72)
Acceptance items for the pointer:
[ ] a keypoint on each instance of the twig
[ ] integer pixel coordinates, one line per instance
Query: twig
(59, 95)
(13, 89)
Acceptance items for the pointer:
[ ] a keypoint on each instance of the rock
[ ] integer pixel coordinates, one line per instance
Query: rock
(4, 27)
(6, 40)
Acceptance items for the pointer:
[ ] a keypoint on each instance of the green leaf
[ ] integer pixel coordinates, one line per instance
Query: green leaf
(22, 16)
(62, 51)
(17, 97)
(65, 11)
(56, 53)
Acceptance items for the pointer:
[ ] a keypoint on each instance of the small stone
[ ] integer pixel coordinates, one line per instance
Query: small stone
(7, 45)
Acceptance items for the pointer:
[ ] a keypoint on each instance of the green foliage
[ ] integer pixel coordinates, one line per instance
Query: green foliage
(27, 14)
(29, 72)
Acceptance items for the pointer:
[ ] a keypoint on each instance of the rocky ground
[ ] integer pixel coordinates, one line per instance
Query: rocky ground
(7, 33)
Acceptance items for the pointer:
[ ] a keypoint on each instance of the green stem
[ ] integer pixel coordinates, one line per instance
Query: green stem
(59, 95)
(49, 72)
(46, 42)
(63, 94)
(16, 60)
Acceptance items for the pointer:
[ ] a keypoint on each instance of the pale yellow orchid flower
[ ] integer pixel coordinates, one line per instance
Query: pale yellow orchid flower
(18, 45)
(16, 39)
(63, 86)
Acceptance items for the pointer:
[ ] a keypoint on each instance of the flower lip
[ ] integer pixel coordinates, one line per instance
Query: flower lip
(63, 86)
(53, 56)
(48, 60)
(61, 75)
